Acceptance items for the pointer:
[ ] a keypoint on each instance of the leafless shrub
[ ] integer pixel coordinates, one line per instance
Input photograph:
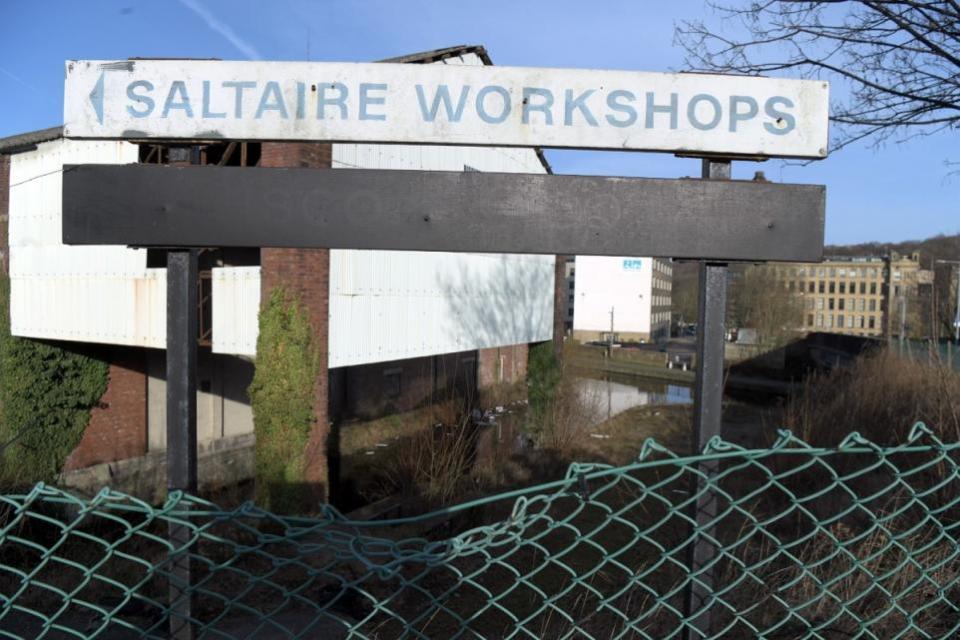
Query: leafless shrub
(843, 576)
(881, 396)
(434, 463)
(571, 413)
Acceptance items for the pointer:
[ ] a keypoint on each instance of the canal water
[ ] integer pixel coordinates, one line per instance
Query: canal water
(613, 395)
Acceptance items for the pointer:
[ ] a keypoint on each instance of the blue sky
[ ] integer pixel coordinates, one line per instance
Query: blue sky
(898, 192)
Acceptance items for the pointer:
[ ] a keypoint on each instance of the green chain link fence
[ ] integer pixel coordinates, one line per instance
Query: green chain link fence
(854, 542)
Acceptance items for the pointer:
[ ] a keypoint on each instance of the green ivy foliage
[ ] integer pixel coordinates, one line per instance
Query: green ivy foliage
(543, 376)
(46, 394)
(282, 398)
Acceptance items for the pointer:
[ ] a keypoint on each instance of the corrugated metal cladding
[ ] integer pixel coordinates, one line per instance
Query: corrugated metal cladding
(90, 294)
(390, 305)
(236, 303)
(384, 305)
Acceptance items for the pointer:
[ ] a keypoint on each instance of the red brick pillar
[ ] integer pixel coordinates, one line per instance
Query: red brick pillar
(559, 304)
(305, 273)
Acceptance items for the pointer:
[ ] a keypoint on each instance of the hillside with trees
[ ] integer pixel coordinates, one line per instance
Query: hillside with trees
(939, 247)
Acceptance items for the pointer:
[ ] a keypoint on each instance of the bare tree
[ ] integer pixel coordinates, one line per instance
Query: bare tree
(900, 59)
(760, 300)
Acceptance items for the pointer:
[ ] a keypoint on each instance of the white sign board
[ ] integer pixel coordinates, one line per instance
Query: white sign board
(446, 104)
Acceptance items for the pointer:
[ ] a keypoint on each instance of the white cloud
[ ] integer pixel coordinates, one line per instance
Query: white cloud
(224, 30)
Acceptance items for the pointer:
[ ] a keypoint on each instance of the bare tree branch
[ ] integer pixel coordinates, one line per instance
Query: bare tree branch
(899, 60)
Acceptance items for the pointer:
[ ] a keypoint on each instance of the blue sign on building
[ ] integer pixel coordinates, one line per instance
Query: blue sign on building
(632, 264)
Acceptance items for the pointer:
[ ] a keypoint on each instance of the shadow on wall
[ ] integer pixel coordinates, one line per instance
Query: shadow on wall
(508, 300)
(814, 352)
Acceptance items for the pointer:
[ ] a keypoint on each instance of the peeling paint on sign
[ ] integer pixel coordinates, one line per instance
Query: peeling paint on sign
(447, 104)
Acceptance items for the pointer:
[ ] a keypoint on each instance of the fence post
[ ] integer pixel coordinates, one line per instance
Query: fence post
(708, 407)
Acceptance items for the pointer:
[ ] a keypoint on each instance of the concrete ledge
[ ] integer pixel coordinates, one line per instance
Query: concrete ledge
(221, 463)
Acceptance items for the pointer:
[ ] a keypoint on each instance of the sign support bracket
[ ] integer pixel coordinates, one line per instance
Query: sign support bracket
(707, 414)
(181, 378)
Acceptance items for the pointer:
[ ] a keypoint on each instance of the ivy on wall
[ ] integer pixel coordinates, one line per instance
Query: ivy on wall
(543, 377)
(46, 394)
(282, 398)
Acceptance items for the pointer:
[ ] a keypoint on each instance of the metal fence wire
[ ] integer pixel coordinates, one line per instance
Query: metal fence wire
(859, 541)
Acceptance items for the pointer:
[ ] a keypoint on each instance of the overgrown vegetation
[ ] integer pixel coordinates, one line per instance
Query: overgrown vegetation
(46, 395)
(282, 399)
(882, 396)
(426, 453)
(543, 376)
(561, 412)
(434, 463)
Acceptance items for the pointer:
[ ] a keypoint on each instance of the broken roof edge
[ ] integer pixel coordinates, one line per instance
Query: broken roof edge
(28, 141)
(436, 55)
(456, 51)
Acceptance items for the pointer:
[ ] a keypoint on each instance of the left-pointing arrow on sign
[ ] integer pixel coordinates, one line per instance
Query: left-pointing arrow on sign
(96, 98)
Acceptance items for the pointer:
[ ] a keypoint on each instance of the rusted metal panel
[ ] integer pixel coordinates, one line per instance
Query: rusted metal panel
(457, 104)
(102, 294)
(93, 308)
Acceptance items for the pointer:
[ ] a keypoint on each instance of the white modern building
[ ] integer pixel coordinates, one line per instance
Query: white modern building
(622, 298)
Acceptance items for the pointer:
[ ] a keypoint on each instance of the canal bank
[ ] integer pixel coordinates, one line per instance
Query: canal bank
(652, 365)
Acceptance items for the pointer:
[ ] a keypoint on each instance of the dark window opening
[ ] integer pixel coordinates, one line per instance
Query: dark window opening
(391, 382)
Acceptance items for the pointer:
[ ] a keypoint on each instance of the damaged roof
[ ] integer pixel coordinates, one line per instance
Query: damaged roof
(438, 55)
(28, 141)
(457, 51)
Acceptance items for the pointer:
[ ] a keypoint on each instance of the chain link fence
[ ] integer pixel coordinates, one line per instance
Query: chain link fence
(859, 541)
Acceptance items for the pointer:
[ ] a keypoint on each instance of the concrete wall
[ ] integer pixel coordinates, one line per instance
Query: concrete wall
(223, 406)
(367, 392)
(221, 464)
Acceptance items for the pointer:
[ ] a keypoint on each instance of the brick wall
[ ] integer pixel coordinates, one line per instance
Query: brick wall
(118, 427)
(502, 365)
(304, 273)
(370, 391)
(4, 213)
(559, 304)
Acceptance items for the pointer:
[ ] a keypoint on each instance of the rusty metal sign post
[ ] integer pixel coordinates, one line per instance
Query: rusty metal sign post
(714, 220)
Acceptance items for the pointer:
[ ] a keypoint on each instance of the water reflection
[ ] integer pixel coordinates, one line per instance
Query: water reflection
(613, 395)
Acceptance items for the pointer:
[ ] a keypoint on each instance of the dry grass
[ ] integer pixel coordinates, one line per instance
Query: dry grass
(358, 437)
(434, 463)
(503, 393)
(881, 396)
(569, 417)
(841, 578)
(431, 459)
(627, 431)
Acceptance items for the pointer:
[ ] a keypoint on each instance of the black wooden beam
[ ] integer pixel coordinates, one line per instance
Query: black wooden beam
(142, 205)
